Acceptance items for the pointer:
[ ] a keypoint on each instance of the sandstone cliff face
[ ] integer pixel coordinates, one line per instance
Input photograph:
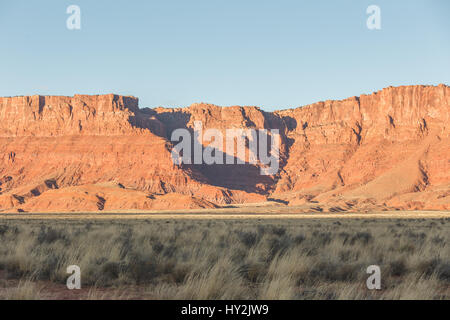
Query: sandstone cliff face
(58, 142)
(371, 147)
(386, 150)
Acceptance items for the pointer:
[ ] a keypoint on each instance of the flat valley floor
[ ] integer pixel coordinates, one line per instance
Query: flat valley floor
(258, 253)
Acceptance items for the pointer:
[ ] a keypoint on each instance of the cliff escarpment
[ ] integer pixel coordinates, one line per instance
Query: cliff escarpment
(383, 151)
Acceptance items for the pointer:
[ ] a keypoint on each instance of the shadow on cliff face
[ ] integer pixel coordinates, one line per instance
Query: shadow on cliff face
(160, 124)
(167, 121)
(236, 176)
(246, 176)
(290, 124)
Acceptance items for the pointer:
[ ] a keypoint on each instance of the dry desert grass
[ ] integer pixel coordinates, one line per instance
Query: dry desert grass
(225, 259)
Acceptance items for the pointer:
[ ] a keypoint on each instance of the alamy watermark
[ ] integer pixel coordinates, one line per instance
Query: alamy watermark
(374, 281)
(263, 147)
(73, 22)
(374, 20)
(74, 280)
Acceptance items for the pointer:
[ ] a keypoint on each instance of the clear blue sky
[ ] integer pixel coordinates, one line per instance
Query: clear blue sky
(274, 54)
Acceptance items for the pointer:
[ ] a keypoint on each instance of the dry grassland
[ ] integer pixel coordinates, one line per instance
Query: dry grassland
(256, 257)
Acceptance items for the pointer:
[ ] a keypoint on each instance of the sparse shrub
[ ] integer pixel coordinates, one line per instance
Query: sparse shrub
(157, 247)
(49, 235)
(249, 239)
(428, 267)
(279, 231)
(48, 267)
(345, 255)
(322, 238)
(438, 240)
(140, 270)
(110, 270)
(3, 229)
(298, 239)
(398, 268)
(169, 251)
(344, 236)
(179, 273)
(253, 272)
(361, 237)
(335, 272)
(278, 246)
(443, 271)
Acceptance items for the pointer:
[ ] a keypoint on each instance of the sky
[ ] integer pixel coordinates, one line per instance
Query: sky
(272, 54)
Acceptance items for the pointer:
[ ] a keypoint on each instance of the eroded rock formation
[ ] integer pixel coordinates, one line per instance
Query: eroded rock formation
(387, 150)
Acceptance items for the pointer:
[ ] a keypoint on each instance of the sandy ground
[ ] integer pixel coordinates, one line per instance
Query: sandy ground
(230, 213)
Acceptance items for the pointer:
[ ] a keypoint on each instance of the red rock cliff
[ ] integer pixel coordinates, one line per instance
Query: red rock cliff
(385, 150)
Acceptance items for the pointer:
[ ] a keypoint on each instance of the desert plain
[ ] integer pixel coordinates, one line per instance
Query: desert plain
(209, 255)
